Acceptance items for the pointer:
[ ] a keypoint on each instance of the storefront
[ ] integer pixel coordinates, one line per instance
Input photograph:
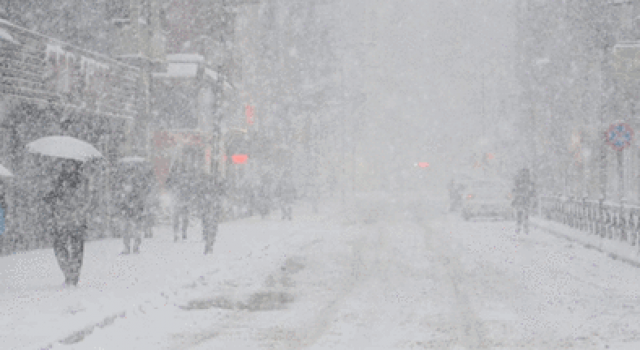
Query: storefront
(48, 87)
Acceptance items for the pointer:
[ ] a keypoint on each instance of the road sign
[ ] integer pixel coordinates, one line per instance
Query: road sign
(619, 136)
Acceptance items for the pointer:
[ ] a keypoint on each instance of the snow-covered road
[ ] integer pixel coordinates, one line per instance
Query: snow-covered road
(380, 273)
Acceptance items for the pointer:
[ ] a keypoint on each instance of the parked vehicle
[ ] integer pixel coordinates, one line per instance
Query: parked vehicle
(487, 198)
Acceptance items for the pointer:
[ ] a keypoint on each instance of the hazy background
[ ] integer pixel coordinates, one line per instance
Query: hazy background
(429, 69)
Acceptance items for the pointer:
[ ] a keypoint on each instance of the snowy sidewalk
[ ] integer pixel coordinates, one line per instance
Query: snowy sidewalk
(615, 249)
(38, 312)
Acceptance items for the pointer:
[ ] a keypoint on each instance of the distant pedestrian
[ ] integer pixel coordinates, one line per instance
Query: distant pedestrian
(524, 194)
(263, 197)
(132, 198)
(182, 185)
(68, 203)
(151, 206)
(210, 192)
(286, 193)
(3, 208)
(455, 195)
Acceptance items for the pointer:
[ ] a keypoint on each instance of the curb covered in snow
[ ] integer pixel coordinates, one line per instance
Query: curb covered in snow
(78, 336)
(616, 250)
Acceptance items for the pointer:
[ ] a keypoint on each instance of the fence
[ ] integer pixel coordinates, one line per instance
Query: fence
(605, 219)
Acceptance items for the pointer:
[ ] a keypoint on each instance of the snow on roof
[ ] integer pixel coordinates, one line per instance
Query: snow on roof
(179, 70)
(627, 45)
(91, 64)
(53, 42)
(211, 73)
(4, 34)
(542, 61)
(185, 57)
(185, 70)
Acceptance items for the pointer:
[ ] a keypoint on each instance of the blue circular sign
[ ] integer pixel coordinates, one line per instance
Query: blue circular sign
(619, 136)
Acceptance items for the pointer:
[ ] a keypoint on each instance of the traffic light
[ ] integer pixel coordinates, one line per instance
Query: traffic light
(239, 158)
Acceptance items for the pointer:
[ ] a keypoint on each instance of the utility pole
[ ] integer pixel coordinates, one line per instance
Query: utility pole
(226, 37)
(483, 106)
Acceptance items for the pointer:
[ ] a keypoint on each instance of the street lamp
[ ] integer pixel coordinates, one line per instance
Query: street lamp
(586, 162)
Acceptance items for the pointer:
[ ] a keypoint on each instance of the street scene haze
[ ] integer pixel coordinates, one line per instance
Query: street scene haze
(319, 174)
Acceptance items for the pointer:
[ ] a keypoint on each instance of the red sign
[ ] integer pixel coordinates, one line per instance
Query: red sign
(239, 158)
(249, 112)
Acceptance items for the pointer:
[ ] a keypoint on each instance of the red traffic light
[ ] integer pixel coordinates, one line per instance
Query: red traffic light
(239, 158)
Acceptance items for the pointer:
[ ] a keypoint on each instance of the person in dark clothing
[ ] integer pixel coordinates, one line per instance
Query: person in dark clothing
(263, 198)
(3, 209)
(455, 196)
(286, 194)
(131, 207)
(524, 193)
(151, 204)
(210, 202)
(181, 184)
(69, 206)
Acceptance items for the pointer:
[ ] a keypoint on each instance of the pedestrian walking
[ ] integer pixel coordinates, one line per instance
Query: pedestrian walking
(455, 195)
(263, 197)
(68, 204)
(3, 208)
(181, 183)
(151, 206)
(210, 192)
(286, 193)
(524, 193)
(131, 202)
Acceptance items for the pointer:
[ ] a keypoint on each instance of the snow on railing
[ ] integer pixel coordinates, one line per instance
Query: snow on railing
(606, 219)
(36, 67)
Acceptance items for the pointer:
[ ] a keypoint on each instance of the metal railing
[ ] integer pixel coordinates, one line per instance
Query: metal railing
(616, 221)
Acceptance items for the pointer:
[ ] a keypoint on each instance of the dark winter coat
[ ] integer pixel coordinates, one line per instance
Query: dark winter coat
(209, 196)
(132, 188)
(131, 202)
(524, 192)
(69, 204)
(286, 192)
(184, 186)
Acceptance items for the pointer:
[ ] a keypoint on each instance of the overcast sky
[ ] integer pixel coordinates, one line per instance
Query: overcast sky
(423, 66)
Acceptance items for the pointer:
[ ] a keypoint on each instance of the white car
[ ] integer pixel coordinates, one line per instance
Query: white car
(487, 198)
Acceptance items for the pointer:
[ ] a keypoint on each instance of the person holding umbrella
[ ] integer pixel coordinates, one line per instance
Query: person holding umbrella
(68, 201)
(69, 206)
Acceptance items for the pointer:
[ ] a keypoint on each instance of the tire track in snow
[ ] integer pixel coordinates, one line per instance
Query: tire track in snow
(469, 327)
(314, 329)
